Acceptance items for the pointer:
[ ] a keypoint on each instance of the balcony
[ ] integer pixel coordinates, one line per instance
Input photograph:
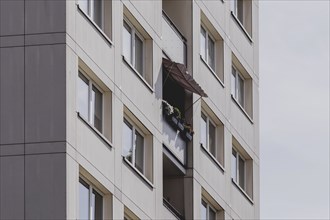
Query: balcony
(174, 134)
(177, 88)
(173, 186)
(174, 43)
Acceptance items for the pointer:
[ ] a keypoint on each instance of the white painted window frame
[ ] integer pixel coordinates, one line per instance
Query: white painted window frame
(129, 123)
(208, 121)
(208, 208)
(90, 195)
(206, 58)
(234, 7)
(238, 155)
(90, 11)
(91, 109)
(236, 95)
(134, 32)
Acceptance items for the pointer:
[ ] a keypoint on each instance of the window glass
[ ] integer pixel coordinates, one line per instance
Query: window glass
(203, 43)
(234, 165)
(212, 144)
(83, 5)
(127, 141)
(93, 205)
(139, 55)
(203, 211)
(240, 10)
(83, 200)
(139, 152)
(97, 12)
(233, 82)
(97, 207)
(233, 4)
(203, 130)
(211, 214)
(211, 53)
(97, 108)
(241, 171)
(240, 94)
(127, 42)
(83, 96)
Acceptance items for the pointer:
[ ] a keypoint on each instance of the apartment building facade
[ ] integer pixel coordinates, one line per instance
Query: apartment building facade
(129, 109)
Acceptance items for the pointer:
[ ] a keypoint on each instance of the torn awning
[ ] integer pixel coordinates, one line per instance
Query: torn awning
(179, 74)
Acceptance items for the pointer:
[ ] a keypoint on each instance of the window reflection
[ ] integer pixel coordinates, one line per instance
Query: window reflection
(127, 42)
(83, 96)
(203, 130)
(127, 141)
(83, 200)
(234, 165)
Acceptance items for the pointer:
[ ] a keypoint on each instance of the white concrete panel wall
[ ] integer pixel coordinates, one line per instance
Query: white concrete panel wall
(88, 151)
(236, 123)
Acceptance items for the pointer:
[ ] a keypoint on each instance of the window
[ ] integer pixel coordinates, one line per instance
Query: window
(207, 48)
(137, 147)
(100, 13)
(211, 48)
(242, 10)
(207, 211)
(238, 169)
(137, 48)
(242, 169)
(212, 136)
(242, 88)
(208, 134)
(133, 47)
(237, 86)
(93, 8)
(133, 146)
(90, 202)
(90, 102)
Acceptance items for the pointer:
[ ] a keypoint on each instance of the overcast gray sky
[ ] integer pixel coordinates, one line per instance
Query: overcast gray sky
(294, 92)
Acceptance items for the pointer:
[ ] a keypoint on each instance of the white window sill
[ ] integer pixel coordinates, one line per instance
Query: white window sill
(100, 31)
(242, 109)
(104, 139)
(242, 191)
(138, 173)
(213, 158)
(138, 74)
(242, 27)
(212, 71)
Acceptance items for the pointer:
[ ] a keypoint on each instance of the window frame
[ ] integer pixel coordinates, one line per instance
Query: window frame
(91, 188)
(240, 18)
(236, 89)
(91, 84)
(237, 181)
(129, 215)
(90, 11)
(134, 32)
(208, 208)
(134, 128)
(206, 58)
(235, 8)
(208, 121)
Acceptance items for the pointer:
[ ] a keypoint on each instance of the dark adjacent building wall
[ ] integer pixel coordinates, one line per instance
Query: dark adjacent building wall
(32, 109)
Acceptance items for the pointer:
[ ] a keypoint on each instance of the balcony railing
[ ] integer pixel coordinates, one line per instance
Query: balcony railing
(174, 141)
(174, 43)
